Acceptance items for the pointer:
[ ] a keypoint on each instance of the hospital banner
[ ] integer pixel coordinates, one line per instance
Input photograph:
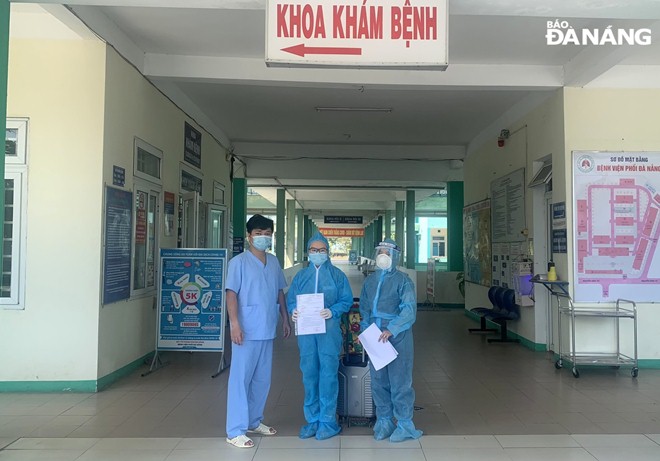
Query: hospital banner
(616, 221)
(342, 232)
(191, 314)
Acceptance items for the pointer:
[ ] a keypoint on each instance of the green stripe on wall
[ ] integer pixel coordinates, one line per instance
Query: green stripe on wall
(73, 386)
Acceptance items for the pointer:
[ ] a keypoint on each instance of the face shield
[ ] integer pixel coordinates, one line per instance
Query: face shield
(387, 255)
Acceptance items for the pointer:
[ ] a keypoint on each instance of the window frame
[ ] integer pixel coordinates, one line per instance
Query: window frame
(145, 146)
(140, 185)
(16, 169)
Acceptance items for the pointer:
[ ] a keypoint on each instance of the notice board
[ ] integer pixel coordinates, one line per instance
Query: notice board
(191, 300)
(508, 207)
(477, 243)
(117, 245)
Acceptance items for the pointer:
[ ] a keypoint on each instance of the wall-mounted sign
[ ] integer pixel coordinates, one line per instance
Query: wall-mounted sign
(342, 219)
(117, 245)
(341, 232)
(192, 146)
(118, 176)
(190, 182)
(356, 33)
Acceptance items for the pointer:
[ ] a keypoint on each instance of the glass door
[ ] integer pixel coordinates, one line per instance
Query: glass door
(217, 226)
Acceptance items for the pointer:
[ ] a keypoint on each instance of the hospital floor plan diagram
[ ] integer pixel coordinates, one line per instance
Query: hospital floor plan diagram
(617, 226)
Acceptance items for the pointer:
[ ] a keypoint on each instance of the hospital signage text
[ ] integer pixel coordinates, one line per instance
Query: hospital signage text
(357, 33)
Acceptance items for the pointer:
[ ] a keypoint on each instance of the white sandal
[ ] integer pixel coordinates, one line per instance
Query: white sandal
(262, 429)
(241, 441)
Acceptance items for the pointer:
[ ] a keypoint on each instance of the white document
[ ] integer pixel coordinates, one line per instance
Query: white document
(309, 308)
(380, 353)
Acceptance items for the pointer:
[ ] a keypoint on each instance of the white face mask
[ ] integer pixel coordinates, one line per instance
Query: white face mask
(383, 261)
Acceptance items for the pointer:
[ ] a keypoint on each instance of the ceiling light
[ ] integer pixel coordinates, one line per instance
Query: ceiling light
(353, 109)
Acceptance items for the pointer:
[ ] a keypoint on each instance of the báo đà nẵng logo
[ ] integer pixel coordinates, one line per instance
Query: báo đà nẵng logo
(562, 33)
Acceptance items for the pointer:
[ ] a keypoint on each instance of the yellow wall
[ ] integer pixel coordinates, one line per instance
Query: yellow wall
(59, 86)
(134, 107)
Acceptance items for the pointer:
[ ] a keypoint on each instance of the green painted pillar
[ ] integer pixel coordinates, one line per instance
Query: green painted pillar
(4, 71)
(290, 236)
(398, 223)
(300, 240)
(411, 235)
(239, 210)
(455, 226)
(280, 226)
(388, 224)
(378, 235)
(307, 234)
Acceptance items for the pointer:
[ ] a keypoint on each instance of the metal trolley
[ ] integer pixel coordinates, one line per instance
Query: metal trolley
(615, 359)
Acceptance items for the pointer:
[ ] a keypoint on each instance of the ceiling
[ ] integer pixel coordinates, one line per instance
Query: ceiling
(208, 56)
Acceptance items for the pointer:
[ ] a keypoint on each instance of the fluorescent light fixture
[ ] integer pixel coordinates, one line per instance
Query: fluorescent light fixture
(353, 109)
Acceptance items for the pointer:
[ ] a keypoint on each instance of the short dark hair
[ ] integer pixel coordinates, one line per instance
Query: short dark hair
(259, 222)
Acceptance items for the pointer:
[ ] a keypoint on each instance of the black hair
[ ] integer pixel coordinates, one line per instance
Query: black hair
(259, 222)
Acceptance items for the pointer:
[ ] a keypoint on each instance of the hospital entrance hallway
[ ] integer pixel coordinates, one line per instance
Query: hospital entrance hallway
(474, 401)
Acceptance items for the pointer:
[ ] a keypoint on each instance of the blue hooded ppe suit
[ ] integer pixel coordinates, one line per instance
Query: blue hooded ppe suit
(319, 353)
(388, 300)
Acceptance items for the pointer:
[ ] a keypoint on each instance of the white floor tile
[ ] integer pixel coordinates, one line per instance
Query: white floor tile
(212, 454)
(381, 454)
(367, 441)
(137, 444)
(466, 454)
(124, 455)
(613, 440)
(537, 441)
(296, 454)
(297, 442)
(625, 453)
(40, 455)
(459, 441)
(654, 437)
(549, 454)
(52, 444)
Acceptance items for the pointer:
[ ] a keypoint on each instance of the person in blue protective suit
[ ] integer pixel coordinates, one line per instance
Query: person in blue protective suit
(388, 300)
(255, 299)
(319, 353)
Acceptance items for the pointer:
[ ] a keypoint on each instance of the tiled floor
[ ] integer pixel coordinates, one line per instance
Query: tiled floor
(475, 401)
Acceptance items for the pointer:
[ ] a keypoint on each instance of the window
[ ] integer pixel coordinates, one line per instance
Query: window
(543, 176)
(147, 161)
(12, 282)
(439, 247)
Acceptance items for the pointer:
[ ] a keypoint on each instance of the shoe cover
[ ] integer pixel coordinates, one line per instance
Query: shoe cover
(383, 428)
(308, 430)
(327, 430)
(405, 430)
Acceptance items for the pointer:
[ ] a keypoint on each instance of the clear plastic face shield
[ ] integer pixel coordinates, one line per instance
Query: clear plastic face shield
(387, 256)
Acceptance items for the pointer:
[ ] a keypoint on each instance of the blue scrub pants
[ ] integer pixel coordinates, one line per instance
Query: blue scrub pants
(391, 386)
(319, 363)
(249, 383)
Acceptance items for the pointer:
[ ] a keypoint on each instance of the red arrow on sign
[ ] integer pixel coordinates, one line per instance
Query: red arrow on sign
(301, 50)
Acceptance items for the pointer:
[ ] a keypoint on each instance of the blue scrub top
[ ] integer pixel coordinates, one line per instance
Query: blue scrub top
(256, 286)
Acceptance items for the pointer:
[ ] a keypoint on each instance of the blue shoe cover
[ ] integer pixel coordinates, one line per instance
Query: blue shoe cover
(308, 430)
(327, 430)
(405, 430)
(383, 428)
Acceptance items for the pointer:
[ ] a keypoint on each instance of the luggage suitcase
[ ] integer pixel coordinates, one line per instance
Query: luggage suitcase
(355, 402)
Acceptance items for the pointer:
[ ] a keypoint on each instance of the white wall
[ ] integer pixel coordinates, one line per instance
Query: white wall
(534, 136)
(59, 86)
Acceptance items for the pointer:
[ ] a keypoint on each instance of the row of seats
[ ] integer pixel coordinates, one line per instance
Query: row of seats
(504, 310)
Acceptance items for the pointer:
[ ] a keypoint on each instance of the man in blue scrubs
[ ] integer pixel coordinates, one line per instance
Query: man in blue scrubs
(254, 300)
(319, 353)
(388, 299)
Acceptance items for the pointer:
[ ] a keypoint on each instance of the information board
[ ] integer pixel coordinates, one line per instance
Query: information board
(616, 221)
(476, 243)
(191, 302)
(508, 207)
(117, 245)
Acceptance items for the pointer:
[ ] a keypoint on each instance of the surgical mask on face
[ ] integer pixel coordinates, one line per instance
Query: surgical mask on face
(318, 258)
(383, 261)
(262, 242)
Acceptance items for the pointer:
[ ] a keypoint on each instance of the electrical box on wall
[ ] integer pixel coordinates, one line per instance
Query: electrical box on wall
(521, 273)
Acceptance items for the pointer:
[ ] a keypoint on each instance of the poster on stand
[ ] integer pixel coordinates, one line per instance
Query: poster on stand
(191, 312)
(616, 221)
